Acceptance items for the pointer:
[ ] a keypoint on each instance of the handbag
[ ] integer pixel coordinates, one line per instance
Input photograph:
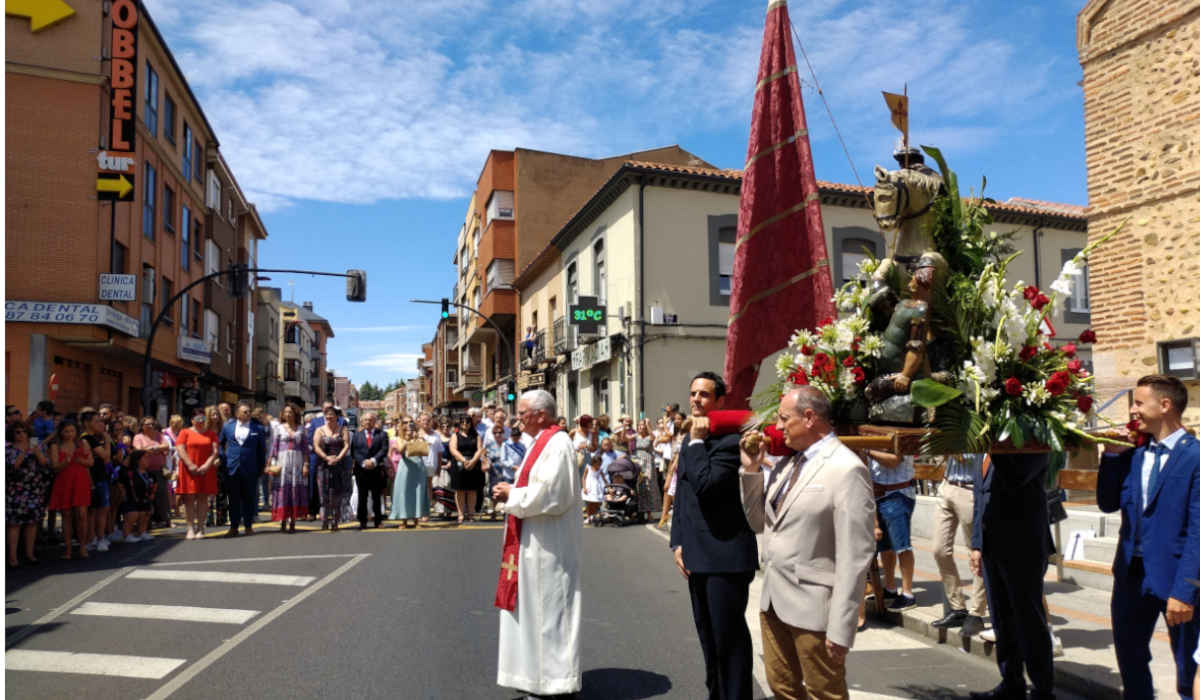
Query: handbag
(416, 448)
(1054, 503)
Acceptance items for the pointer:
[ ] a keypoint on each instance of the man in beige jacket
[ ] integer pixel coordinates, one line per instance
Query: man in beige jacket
(817, 514)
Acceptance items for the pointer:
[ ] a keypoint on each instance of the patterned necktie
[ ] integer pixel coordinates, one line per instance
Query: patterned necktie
(779, 495)
(368, 439)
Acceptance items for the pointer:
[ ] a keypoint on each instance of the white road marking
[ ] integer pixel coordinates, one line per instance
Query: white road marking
(248, 559)
(153, 667)
(213, 656)
(175, 613)
(11, 641)
(221, 577)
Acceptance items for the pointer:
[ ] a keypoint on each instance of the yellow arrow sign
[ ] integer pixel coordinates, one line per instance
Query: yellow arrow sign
(120, 185)
(41, 13)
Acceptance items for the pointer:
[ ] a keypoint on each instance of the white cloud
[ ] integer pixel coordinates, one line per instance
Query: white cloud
(368, 100)
(396, 362)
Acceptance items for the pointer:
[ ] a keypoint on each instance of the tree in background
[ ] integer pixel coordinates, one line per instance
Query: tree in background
(369, 392)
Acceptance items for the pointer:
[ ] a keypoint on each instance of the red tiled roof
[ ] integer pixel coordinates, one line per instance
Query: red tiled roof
(1016, 205)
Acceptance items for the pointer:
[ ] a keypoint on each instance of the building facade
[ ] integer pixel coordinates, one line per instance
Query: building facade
(268, 336)
(520, 201)
(345, 394)
(106, 169)
(1141, 95)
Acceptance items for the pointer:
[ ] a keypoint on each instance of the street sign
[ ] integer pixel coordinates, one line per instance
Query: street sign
(61, 312)
(41, 13)
(118, 287)
(588, 314)
(114, 187)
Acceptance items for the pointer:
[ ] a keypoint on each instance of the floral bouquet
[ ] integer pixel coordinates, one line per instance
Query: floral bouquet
(996, 377)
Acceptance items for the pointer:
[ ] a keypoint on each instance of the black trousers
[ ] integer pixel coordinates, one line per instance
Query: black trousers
(1014, 579)
(719, 609)
(371, 482)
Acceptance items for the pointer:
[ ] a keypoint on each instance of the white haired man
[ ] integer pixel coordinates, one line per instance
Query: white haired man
(538, 591)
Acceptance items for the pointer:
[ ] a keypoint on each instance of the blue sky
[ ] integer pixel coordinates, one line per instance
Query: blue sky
(359, 127)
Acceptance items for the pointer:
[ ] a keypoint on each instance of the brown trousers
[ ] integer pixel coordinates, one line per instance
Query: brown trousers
(955, 511)
(798, 666)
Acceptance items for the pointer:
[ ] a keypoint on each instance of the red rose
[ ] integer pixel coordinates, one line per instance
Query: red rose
(1139, 438)
(1069, 349)
(798, 377)
(1058, 383)
(806, 349)
(827, 321)
(848, 361)
(1031, 292)
(1012, 386)
(1039, 301)
(1048, 347)
(1075, 365)
(1084, 403)
(1028, 352)
(823, 365)
(859, 375)
(1088, 336)
(854, 345)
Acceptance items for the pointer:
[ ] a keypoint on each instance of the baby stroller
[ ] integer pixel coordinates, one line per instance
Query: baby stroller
(620, 504)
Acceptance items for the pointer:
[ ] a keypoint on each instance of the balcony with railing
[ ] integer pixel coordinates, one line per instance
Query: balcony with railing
(469, 379)
(563, 337)
(533, 350)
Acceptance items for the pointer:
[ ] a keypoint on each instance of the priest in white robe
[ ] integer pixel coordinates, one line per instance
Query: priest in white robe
(540, 620)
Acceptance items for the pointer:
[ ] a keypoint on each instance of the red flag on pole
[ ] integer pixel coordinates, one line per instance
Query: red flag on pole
(781, 278)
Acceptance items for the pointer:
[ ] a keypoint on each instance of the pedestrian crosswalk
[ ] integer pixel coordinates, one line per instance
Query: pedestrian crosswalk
(45, 648)
(176, 613)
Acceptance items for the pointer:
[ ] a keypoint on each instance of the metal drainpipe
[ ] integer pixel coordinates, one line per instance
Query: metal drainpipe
(641, 317)
(1037, 256)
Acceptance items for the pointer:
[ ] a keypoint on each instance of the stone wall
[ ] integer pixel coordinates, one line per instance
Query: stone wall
(1141, 87)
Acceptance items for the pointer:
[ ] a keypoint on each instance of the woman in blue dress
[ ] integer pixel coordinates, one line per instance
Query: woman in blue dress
(410, 496)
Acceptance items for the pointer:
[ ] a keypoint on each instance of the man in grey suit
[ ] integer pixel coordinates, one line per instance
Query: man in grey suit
(817, 515)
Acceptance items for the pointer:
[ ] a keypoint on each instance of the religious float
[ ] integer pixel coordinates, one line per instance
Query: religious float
(930, 350)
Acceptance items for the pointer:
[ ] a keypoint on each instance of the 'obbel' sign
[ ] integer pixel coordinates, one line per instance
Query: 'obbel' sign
(123, 78)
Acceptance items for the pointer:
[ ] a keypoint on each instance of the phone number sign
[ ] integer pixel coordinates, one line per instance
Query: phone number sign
(64, 312)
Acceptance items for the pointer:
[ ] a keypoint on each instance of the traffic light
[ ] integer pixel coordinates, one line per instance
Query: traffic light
(356, 285)
(445, 307)
(239, 280)
(511, 395)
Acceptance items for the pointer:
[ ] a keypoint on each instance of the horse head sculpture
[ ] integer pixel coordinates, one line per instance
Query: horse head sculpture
(904, 205)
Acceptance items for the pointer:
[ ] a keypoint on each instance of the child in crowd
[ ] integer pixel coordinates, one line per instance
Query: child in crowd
(139, 498)
(593, 488)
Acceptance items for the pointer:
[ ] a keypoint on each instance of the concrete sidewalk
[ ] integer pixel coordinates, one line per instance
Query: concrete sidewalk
(1079, 615)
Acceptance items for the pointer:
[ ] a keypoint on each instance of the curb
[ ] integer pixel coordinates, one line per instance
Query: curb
(1064, 678)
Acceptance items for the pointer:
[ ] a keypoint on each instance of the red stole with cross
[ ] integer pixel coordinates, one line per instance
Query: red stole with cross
(506, 588)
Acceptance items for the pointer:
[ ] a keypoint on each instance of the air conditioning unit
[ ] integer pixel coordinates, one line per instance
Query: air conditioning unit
(656, 315)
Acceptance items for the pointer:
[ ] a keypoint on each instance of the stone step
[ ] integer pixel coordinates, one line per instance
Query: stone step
(1100, 549)
(1089, 574)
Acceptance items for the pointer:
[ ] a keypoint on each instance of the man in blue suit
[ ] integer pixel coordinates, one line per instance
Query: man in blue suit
(714, 546)
(1157, 489)
(243, 445)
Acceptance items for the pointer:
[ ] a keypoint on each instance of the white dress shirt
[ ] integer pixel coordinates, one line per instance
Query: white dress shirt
(1169, 443)
(241, 432)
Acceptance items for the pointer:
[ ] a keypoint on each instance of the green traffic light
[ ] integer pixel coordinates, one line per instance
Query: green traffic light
(445, 314)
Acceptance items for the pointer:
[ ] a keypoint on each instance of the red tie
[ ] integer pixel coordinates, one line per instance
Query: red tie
(368, 439)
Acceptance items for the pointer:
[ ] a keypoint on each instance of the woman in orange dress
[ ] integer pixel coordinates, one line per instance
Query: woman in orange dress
(71, 457)
(198, 472)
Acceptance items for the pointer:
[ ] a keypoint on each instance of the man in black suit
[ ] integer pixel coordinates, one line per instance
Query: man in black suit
(369, 448)
(1010, 548)
(714, 546)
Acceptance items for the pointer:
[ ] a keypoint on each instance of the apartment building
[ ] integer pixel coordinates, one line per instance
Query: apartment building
(521, 199)
(107, 219)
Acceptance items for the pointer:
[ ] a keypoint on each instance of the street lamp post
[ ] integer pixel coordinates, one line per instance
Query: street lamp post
(356, 290)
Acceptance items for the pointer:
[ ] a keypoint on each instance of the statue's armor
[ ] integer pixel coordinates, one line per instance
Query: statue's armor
(898, 334)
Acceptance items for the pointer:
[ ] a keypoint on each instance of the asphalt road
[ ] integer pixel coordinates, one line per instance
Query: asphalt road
(387, 613)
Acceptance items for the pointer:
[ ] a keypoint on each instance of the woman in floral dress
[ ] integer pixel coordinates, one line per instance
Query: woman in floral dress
(289, 454)
(26, 479)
